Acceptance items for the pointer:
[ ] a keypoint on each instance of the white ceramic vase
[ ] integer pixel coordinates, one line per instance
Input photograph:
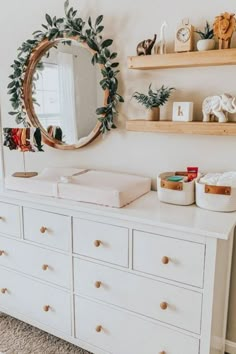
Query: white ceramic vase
(205, 44)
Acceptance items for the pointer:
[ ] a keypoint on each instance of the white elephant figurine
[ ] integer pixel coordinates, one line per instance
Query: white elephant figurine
(219, 107)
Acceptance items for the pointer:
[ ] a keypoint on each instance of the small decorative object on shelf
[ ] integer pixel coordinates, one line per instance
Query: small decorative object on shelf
(23, 140)
(219, 107)
(184, 37)
(153, 100)
(182, 111)
(145, 47)
(224, 27)
(207, 41)
(160, 47)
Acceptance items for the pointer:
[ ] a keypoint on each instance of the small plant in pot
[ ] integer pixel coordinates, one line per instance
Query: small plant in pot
(206, 42)
(153, 100)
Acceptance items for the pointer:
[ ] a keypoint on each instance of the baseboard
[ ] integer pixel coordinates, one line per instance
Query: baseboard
(230, 347)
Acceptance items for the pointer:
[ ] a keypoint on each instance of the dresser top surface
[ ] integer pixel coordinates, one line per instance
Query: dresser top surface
(146, 210)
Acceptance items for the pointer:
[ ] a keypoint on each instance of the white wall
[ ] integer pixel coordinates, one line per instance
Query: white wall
(128, 22)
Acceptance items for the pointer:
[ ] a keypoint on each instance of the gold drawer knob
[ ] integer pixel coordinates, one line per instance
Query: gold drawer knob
(98, 329)
(3, 290)
(162, 352)
(43, 229)
(97, 243)
(98, 284)
(165, 260)
(46, 308)
(45, 267)
(163, 305)
(2, 253)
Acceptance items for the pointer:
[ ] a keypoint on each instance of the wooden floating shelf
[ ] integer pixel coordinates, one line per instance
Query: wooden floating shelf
(183, 60)
(199, 128)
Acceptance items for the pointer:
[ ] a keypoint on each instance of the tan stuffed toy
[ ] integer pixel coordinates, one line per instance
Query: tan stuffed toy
(224, 27)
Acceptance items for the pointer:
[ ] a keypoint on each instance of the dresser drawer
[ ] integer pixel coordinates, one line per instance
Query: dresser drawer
(37, 301)
(41, 263)
(145, 296)
(101, 241)
(169, 258)
(119, 332)
(10, 219)
(49, 229)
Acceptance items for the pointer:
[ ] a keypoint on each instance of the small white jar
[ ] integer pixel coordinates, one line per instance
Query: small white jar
(206, 44)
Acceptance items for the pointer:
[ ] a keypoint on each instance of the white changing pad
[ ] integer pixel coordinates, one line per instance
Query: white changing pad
(46, 183)
(105, 188)
(91, 186)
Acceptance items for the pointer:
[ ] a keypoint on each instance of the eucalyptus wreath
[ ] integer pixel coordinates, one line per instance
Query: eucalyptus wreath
(69, 26)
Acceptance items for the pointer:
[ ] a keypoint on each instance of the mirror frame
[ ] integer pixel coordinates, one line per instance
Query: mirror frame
(31, 51)
(35, 57)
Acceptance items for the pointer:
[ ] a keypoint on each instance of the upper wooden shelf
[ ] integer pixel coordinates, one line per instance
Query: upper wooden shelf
(184, 60)
(199, 128)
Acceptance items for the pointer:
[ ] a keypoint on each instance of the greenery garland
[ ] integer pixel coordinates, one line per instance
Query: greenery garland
(69, 26)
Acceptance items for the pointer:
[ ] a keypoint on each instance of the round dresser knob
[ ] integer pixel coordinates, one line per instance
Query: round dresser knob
(43, 229)
(46, 308)
(2, 253)
(165, 260)
(98, 329)
(162, 352)
(98, 284)
(97, 243)
(4, 290)
(163, 305)
(45, 267)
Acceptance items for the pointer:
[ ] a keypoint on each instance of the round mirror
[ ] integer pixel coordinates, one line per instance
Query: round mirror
(64, 81)
(64, 93)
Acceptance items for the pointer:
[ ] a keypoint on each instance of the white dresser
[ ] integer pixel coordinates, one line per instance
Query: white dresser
(150, 278)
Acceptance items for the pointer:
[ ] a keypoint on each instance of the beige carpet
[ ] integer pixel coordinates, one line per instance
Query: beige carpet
(17, 337)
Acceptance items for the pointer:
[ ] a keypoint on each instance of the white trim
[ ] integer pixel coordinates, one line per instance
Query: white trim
(230, 347)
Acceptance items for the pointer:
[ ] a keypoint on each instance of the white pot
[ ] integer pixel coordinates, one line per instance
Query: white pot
(206, 44)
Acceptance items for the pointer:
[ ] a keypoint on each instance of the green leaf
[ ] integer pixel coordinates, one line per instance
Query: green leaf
(113, 56)
(13, 90)
(101, 59)
(106, 43)
(90, 22)
(101, 110)
(107, 52)
(93, 45)
(120, 98)
(99, 29)
(12, 84)
(114, 65)
(94, 59)
(98, 20)
(12, 113)
(35, 32)
(59, 21)
(48, 19)
(53, 33)
(66, 5)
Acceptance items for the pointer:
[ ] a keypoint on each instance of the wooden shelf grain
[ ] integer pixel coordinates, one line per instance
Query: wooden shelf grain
(198, 128)
(184, 60)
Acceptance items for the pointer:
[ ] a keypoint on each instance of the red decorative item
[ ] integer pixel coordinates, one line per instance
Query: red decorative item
(192, 173)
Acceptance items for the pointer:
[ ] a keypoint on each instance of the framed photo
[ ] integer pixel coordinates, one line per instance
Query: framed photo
(182, 111)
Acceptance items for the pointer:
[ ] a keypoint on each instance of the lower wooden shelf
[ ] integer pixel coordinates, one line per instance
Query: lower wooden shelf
(199, 128)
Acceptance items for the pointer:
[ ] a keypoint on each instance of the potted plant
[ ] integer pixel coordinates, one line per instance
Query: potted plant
(153, 100)
(206, 42)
